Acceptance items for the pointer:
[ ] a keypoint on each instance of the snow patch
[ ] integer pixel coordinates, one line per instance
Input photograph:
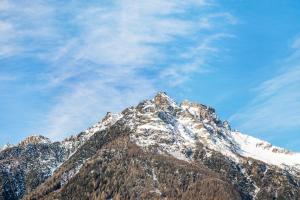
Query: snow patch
(264, 151)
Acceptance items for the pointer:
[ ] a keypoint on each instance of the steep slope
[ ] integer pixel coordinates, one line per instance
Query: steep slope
(186, 139)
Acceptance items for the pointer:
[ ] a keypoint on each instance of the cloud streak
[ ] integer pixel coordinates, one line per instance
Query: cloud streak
(26, 27)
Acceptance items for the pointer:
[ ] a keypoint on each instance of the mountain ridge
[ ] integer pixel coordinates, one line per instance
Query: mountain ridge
(31, 139)
(189, 132)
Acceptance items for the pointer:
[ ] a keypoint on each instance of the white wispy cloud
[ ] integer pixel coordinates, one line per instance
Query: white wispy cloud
(275, 107)
(109, 55)
(26, 27)
(195, 60)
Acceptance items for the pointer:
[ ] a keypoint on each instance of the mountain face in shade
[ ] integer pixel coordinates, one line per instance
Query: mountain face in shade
(156, 150)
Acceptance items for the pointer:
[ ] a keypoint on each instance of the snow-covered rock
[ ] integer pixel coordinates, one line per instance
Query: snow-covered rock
(35, 139)
(176, 129)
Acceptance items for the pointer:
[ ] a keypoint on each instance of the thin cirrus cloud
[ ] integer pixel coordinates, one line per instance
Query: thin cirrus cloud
(25, 27)
(109, 55)
(275, 108)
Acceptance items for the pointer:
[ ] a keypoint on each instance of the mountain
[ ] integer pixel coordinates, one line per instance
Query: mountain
(156, 150)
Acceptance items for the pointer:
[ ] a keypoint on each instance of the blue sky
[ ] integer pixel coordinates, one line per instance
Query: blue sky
(63, 65)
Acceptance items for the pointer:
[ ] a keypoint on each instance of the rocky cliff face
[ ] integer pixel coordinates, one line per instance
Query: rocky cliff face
(156, 150)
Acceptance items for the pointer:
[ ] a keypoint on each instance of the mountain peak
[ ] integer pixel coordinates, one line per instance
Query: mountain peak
(35, 139)
(162, 100)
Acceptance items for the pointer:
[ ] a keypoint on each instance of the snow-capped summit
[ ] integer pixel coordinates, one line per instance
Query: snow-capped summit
(177, 128)
(163, 101)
